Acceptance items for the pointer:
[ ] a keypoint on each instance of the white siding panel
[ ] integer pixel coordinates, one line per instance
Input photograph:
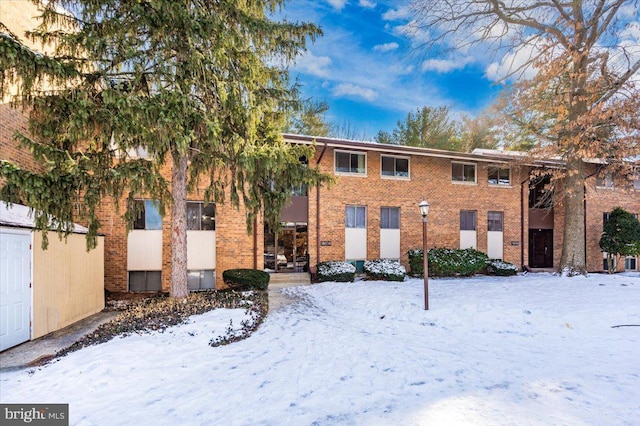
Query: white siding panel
(201, 250)
(389, 243)
(355, 245)
(144, 250)
(495, 244)
(468, 239)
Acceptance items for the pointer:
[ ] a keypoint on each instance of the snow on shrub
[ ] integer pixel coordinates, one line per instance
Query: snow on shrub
(444, 262)
(336, 271)
(502, 268)
(384, 269)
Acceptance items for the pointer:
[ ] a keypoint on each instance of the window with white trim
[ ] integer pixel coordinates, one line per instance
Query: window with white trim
(355, 217)
(200, 216)
(148, 215)
(604, 181)
(468, 220)
(463, 172)
(499, 175)
(394, 166)
(390, 217)
(351, 162)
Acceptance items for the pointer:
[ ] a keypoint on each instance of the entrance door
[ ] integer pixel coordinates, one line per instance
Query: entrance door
(15, 291)
(291, 247)
(541, 248)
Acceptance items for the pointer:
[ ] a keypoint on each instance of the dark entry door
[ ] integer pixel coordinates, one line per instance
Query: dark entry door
(541, 248)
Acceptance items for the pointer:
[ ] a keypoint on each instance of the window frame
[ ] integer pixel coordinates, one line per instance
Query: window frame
(388, 209)
(356, 208)
(146, 281)
(202, 205)
(493, 221)
(395, 174)
(636, 178)
(350, 172)
(463, 181)
(475, 220)
(604, 182)
(141, 221)
(499, 169)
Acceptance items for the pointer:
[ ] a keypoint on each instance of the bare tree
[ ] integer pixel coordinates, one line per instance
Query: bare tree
(580, 100)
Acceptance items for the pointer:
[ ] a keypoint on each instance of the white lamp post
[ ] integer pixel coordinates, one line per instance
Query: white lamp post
(424, 210)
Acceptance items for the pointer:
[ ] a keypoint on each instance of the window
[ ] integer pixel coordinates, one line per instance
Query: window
(356, 217)
(494, 220)
(200, 216)
(468, 220)
(145, 281)
(636, 179)
(395, 166)
(148, 216)
(351, 162)
(605, 218)
(604, 181)
(359, 264)
(390, 217)
(499, 175)
(630, 264)
(201, 280)
(463, 172)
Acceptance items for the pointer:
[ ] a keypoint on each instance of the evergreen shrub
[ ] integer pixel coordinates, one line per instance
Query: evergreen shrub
(246, 279)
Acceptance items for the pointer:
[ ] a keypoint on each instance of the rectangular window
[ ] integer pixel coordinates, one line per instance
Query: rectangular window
(463, 172)
(499, 175)
(494, 220)
(350, 162)
(605, 218)
(201, 280)
(604, 181)
(395, 166)
(356, 217)
(145, 280)
(630, 264)
(201, 216)
(390, 217)
(148, 215)
(468, 220)
(636, 179)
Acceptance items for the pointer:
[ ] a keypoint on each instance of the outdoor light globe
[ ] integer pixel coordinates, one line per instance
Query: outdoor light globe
(424, 207)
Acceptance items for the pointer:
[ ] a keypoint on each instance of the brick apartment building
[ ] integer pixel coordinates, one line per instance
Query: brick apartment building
(484, 200)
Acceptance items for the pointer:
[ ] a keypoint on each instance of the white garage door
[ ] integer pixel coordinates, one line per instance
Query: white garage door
(15, 291)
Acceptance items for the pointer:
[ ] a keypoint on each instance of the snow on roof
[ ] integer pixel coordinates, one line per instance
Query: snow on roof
(19, 216)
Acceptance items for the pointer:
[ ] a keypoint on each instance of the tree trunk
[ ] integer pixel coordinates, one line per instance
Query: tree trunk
(179, 288)
(572, 261)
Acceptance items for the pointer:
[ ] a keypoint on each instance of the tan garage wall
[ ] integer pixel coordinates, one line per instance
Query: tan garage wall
(68, 282)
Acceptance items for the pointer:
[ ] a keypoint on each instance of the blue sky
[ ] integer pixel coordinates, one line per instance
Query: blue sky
(367, 67)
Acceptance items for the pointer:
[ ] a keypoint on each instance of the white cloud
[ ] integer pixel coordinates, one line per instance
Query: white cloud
(337, 4)
(513, 64)
(367, 3)
(386, 47)
(445, 65)
(413, 32)
(396, 14)
(348, 89)
(314, 65)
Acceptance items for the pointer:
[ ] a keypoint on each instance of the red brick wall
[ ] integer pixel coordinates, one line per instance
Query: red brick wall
(430, 178)
(12, 121)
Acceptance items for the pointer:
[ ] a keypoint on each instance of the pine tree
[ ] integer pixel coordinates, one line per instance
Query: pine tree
(620, 237)
(201, 87)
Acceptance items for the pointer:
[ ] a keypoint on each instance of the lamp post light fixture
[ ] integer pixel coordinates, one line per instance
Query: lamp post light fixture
(424, 210)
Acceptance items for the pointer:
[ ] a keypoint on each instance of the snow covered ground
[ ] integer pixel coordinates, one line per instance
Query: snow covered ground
(525, 350)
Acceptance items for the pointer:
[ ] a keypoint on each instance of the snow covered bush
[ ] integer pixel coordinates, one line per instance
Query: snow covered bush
(444, 262)
(384, 269)
(502, 268)
(336, 271)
